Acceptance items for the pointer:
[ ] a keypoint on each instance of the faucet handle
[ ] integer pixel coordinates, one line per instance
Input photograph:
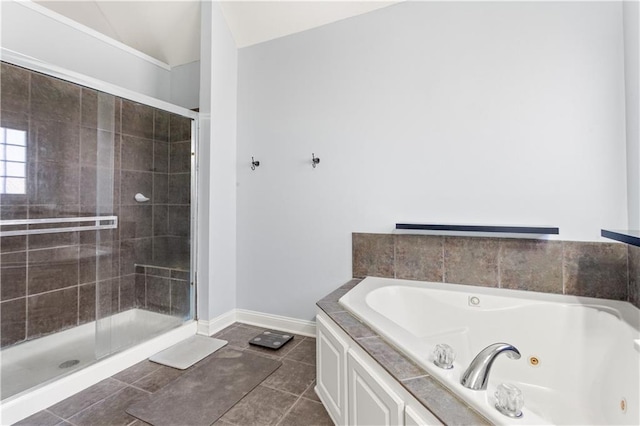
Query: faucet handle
(509, 400)
(443, 356)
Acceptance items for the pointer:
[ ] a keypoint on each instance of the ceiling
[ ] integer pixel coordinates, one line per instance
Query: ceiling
(166, 30)
(253, 22)
(170, 30)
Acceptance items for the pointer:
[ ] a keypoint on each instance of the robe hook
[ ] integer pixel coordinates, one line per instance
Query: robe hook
(254, 164)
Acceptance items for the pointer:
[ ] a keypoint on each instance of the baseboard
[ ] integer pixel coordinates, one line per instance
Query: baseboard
(276, 322)
(211, 327)
(259, 319)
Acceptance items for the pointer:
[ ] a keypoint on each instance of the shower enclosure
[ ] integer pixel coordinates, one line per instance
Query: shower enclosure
(95, 225)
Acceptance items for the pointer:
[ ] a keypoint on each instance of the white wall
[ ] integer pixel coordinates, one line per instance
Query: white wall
(33, 30)
(631, 12)
(185, 85)
(217, 193)
(489, 113)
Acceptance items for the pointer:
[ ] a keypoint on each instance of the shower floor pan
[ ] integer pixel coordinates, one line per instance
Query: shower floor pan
(42, 360)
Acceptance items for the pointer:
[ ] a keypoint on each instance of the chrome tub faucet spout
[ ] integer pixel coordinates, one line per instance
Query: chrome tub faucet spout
(476, 376)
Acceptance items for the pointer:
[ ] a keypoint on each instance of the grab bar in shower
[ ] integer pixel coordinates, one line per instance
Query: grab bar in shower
(97, 220)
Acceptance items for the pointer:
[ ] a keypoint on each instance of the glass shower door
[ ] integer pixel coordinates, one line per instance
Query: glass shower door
(95, 225)
(143, 269)
(56, 218)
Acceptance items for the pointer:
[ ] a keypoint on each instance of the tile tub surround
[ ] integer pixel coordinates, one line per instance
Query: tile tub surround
(75, 136)
(446, 406)
(592, 269)
(634, 275)
(281, 399)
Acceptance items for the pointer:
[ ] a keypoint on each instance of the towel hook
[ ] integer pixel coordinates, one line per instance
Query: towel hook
(254, 164)
(314, 160)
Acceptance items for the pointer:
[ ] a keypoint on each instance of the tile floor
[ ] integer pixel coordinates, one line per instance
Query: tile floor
(284, 398)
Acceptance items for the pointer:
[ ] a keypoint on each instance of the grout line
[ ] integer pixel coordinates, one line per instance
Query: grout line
(563, 268)
(140, 389)
(78, 245)
(288, 411)
(169, 156)
(395, 257)
(15, 251)
(309, 399)
(96, 403)
(444, 269)
(294, 404)
(49, 291)
(628, 250)
(170, 296)
(499, 262)
(414, 377)
(301, 362)
(145, 288)
(78, 305)
(294, 346)
(231, 408)
(119, 282)
(262, 354)
(280, 390)
(14, 299)
(70, 422)
(293, 360)
(53, 414)
(146, 375)
(118, 380)
(84, 409)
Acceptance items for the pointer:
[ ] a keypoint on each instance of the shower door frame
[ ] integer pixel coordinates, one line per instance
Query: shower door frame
(32, 64)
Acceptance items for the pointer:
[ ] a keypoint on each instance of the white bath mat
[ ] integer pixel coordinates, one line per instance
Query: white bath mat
(186, 353)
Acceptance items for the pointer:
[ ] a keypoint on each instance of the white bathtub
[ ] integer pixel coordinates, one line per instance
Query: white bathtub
(588, 349)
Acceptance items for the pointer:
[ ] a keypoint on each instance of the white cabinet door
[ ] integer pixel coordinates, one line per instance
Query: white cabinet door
(371, 402)
(331, 371)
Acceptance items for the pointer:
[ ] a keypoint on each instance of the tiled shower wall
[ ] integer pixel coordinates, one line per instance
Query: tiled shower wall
(48, 282)
(163, 290)
(593, 269)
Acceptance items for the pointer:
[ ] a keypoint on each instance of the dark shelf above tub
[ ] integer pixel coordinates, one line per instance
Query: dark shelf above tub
(629, 236)
(531, 230)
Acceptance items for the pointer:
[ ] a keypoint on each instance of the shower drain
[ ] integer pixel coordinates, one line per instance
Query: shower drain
(69, 363)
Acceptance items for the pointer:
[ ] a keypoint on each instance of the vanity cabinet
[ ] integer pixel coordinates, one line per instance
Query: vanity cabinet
(355, 389)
